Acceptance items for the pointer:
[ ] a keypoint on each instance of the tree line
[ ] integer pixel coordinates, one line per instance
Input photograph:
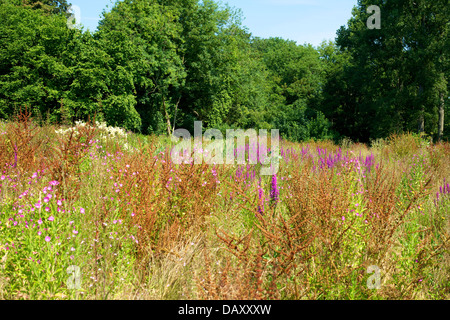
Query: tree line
(157, 65)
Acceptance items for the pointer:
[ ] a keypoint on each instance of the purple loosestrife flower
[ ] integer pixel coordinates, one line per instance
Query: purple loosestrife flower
(261, 198)
(442, 194)
(274, 192)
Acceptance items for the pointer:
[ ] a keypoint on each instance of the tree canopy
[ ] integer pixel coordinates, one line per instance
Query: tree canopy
(157, 65)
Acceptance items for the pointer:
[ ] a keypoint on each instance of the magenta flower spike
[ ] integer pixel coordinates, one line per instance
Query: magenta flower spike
(274, 192)
(261, 198)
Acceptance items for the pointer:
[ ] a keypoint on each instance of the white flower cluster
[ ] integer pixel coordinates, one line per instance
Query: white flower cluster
(106, 132)
(111, 132)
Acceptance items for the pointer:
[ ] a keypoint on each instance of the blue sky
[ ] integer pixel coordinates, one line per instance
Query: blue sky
(304, 21)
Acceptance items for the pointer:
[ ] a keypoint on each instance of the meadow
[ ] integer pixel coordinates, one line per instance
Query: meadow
(95, 212)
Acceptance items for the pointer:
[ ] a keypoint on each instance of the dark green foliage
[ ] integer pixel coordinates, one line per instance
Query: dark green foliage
(32, 69)
(48, 6)
(157, 65)
(120, 111)
(295, 77)
(396, 74)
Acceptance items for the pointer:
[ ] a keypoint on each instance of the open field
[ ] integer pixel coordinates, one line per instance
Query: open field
(137, 226)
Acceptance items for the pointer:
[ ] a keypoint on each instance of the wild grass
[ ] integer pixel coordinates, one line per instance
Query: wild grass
(138, 226)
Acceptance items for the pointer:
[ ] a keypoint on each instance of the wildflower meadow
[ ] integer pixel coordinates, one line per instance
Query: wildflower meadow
(95, 212)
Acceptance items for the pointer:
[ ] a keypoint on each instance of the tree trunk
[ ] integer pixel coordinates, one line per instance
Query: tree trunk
(421, 120)
(175, 116)
(421, 123)
(169, 126)
(441, 118)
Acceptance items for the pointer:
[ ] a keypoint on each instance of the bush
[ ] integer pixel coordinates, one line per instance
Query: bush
(119, 111)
